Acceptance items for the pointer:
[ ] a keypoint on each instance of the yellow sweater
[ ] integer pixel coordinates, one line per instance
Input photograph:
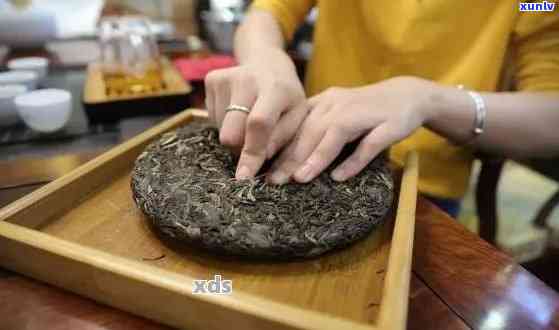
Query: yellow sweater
(359, 42)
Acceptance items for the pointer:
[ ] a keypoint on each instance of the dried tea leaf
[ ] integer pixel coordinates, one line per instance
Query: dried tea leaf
(185, 184)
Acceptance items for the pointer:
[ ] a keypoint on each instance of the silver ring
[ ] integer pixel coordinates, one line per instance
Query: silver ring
(235, 107)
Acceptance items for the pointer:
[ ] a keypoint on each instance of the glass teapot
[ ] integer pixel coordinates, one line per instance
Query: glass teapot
(129, 56)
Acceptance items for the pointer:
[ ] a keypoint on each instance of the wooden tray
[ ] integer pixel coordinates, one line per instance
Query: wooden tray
(101, 106)
(82, 232)
(96, 92)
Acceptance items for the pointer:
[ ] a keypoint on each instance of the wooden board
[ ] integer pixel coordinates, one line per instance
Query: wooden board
(95, 91)
(83, 232)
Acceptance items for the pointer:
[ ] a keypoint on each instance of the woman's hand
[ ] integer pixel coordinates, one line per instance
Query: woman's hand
(268, 85)
(382, 114)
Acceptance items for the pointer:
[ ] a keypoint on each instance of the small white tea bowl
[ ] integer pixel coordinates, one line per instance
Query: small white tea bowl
(19, 77)
(45, 110)
(8, 112)
(38, 65)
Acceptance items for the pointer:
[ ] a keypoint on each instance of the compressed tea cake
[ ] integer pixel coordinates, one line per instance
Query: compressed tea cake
(185, 184)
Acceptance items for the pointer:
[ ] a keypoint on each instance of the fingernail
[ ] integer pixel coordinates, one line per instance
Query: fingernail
(304, 173)
(279, 177)
(338, 175)
(242, 173)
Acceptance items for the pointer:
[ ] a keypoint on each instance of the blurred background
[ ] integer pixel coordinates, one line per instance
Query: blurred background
(103, 71)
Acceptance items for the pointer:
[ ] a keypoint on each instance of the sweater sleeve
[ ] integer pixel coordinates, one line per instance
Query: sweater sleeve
(536, 51)
(289, 13)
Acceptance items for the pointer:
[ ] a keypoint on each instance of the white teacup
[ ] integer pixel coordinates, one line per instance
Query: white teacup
(38, 65)
(19, 77)
(45, 110)
(8, 112)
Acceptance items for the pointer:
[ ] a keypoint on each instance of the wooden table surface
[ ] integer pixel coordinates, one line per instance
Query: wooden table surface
(458, 282)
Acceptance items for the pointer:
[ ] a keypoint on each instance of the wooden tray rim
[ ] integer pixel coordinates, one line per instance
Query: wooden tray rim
(242, 307)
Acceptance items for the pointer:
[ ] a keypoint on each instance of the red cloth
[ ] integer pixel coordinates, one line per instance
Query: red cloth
(193, 69)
